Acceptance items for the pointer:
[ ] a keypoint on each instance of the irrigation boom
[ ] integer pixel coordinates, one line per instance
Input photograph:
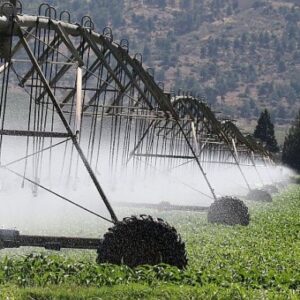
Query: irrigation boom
(83, 91)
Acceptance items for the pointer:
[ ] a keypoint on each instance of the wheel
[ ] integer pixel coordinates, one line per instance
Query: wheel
(294, 180)
(271, 188)
(142, 240)
(228, 211)
(282, 184)
(259, 195)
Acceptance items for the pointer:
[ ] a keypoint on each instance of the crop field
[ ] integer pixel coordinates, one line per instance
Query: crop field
(261, 261)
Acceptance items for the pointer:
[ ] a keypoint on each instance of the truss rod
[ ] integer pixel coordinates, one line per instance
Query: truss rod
(70, 88)
(46, 61)
(140, 141)
(34, 133)
(115, 53)
(189, 158)
(58, 195)
(41, 59)
(33, 154)
(198, 162)
(175, 178)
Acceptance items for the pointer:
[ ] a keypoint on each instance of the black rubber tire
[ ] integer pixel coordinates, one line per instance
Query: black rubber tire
(229, 211)
(282, 184)
(271, 188)
(142, 240)
(294, 180)
(259, 195)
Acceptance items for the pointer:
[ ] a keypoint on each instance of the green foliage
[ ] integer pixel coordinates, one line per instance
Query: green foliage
(146, 292)
(291, 147)
(264, 131)
(45, 270)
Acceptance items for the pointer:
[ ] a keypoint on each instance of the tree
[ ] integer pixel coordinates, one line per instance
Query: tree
(265, 132)
(291, 147)
(281, 66)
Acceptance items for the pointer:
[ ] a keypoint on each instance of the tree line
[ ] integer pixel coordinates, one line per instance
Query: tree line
(264, 132)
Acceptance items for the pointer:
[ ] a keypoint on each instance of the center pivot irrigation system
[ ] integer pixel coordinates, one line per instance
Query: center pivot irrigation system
(83, 91)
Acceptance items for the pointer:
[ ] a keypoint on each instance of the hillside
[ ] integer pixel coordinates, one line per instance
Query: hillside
(242, 55)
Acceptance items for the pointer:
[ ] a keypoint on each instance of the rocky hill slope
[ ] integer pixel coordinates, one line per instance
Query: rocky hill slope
(242, 55)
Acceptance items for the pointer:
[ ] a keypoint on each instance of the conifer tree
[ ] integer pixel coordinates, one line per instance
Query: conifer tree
(291, 147)
(264, 131)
